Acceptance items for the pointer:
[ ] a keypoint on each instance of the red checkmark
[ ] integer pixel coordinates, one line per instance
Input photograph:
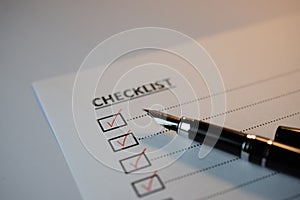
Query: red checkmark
(149, 186)
(114, 119)
(124, 140)
(135, 165)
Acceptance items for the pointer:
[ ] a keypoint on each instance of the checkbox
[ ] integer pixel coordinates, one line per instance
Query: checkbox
(112, 122)
(148, 185)
(135, 162)
(123, 142)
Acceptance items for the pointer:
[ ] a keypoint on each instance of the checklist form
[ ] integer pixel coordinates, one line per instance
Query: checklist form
(115, 151)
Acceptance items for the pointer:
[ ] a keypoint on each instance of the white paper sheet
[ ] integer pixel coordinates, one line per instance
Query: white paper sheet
(120, 153)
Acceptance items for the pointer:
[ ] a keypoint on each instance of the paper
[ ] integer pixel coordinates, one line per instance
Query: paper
(120, 153)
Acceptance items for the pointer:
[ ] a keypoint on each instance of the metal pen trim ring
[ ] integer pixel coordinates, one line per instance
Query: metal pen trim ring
(244, 151)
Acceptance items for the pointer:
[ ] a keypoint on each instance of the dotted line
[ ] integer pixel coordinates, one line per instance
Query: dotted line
(175, 152)
(252, 104)
(137, 117)
(191, 101)
(178, 105)
(201, 170)
(227, 112)
(265, 80)
(244, 130)
(220, 164)
(197, 145)
(154, 134)
(238, 109)
(271, 121)
(241, 185)
(219, 93)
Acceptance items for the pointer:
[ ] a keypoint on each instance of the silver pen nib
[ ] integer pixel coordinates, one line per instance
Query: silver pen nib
(168, 121)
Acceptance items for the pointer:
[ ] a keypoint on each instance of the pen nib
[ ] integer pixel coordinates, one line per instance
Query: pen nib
(146, 110)
(168, 121)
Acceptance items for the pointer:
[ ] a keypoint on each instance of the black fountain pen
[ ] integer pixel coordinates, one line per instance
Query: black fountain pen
(282, 154)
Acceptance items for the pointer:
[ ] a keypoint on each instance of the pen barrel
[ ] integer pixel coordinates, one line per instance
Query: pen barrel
(258, 150)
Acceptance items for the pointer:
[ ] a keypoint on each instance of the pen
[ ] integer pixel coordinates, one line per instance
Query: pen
(262, 151)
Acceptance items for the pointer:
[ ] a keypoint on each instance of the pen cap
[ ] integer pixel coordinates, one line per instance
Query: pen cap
(288, 135)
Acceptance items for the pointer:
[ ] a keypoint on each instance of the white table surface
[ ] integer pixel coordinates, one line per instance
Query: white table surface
(41, 39)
